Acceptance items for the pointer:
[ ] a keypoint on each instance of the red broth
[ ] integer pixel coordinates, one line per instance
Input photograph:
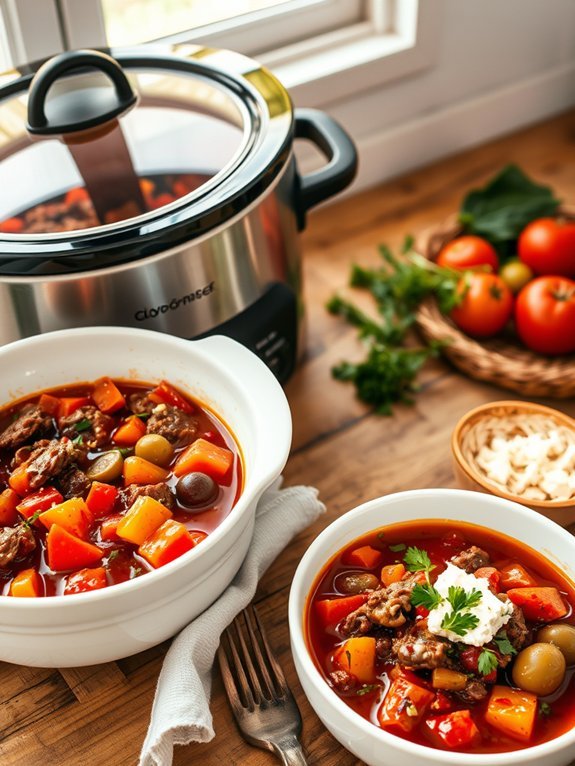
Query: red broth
(441, 539)
(121, 559)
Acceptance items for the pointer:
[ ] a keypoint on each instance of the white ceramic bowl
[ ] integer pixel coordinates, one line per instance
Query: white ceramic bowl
(373, 745)
(100, 626)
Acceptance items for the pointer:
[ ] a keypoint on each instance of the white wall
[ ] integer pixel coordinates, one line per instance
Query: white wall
(499, 65)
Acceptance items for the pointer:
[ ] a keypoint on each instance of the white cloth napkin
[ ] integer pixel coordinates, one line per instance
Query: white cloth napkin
(181, 712)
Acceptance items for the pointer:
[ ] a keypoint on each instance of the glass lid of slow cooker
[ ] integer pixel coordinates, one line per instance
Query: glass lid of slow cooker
(62, 171)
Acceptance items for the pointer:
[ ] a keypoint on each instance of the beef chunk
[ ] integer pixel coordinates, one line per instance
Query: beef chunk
(74, 483)
(420, 649)
(342, 681)
(471, 559)
(385, 607)
(516, 629)
(141, 404)
(15, 542)
(172, 424)
(474, 691)
(383, 648)
(29, 451)
(101, 426)
(160, 492)
(50, 461)
(31, 422)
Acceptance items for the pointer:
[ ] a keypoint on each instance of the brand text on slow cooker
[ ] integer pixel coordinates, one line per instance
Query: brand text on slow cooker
(175, 303)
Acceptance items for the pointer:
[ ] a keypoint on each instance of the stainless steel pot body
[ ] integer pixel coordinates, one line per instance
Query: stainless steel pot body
(186, 291)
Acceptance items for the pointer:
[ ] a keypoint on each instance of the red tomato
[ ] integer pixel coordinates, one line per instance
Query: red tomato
(486, 307)
(468, 252)
(545, 315)
(547, 246)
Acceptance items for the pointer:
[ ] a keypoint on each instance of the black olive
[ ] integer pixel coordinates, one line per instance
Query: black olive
(196, 489)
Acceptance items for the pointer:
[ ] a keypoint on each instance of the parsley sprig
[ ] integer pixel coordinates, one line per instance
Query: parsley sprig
(460, 621)
(417, 560)
(83, 425)
(426, 596)
(487, 661)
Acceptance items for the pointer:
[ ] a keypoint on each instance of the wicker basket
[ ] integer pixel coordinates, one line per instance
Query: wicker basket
(501, 361)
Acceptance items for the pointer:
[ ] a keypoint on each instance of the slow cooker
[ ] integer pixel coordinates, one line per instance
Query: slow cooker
(157, 188)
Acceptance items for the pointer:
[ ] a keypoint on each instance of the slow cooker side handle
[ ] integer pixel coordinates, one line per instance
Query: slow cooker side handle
(332, 140)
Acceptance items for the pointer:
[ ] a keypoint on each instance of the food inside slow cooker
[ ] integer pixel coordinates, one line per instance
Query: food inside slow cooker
(450, 636)
(74, 210)
(103, 482)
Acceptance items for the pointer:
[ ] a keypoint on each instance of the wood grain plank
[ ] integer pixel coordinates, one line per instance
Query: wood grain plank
(94, 679)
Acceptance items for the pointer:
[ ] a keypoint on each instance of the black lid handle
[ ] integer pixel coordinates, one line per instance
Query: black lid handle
(323, 131)
(78, 109)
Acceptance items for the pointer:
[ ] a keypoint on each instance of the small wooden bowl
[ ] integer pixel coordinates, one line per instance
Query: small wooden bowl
(560, 511)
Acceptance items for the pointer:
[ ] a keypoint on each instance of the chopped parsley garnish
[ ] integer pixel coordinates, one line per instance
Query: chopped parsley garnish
(78, 440)
(504, 644)
(416, 560)
(426, 596)
(460, 623)
(487, 662)
(83, 425)
(142, 415)
(545, 709)
(397, 548)
(135, 572)
(367, 689)
(113, 554)
(31, 519)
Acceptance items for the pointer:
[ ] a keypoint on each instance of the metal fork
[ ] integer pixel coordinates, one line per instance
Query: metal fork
(262, 703)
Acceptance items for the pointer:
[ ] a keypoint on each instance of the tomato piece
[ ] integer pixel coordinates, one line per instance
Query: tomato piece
(486, 306)
(65, 551)
(366, 557)
(516, 275)
(512, 711)
(101, 499)
(108, 396)
(542, 604)
(128, 433)
(42, 500)
(331, 611)
(357, 657)
(142, 520)
(137, 470)
(11, 225)
(205, 457)
(545, 315)
(167, 543)
(392, 573)
(404, 706)
(27, 584)
(492, 576)
(69, 404)
(468, 252)
(455, 729)
(164, 393)
(547, 246)
(72, 515)
(8, 502)
(516, 576)
(109, 527)
(85, 580)
(441, 703)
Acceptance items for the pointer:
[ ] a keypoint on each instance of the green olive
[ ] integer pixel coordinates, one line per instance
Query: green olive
(562, 636)
(539, 668)
(196, 489)
(107, 467)
(154, 448)
(357, 582)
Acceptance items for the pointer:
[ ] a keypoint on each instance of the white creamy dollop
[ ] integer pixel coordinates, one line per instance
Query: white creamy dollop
(492, 613)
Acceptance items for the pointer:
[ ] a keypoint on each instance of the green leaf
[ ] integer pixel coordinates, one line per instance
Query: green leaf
(113, 555)
(124, 451)
(78, 440)
(545, 709)
(487, 662)
(83, 425)
(460, 623)
(31, 519)
(504, 644)
(367, 689)
(461, 599)
(417, 560)
(397, 548)
(501, 209)
(426, 595)
(142, 415)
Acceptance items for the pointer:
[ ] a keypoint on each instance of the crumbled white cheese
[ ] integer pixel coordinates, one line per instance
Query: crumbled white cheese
(530, 455)
(492, 613)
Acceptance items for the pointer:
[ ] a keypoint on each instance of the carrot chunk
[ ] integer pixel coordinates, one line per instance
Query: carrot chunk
(167, 543)
(137, 470)
(107, 396)
(109, 528)
(205, 457)
(69, 404)
(366, 556)
(8, 502)
(27, 584)
(512, 711)
(64, 551)
(167, 394)
(128, 433)
(539, 604)
(404, 706)
(72, 515)
(392, 573)
(49, 404)
(491, 574)
(516, 576)
(142, 520)
(85, 580)
(101, 499)
(357, 657)
(333, 610)
(19, 481)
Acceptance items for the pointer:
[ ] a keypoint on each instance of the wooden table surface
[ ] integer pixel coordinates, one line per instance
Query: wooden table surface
(99, 715)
